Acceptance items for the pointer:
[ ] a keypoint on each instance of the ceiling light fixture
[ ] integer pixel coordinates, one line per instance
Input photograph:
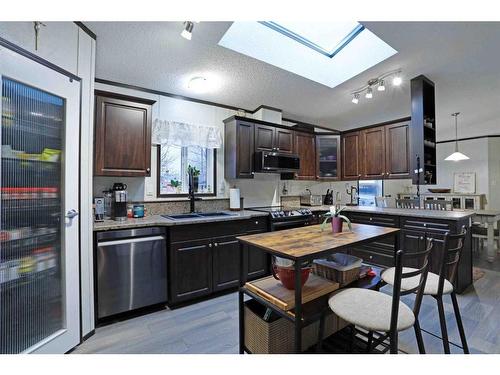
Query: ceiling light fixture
(188, 30)
(198, 84)
(457, 155)
(381, 85)
(379, 82)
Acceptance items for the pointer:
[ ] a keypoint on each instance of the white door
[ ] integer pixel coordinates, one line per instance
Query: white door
(39, 272)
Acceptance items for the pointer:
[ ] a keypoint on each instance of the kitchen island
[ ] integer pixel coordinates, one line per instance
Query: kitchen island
(300, 245)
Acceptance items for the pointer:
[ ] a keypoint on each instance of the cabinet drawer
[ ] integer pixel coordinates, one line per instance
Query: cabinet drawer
(438, 226)
(371, 257)
(380, 220)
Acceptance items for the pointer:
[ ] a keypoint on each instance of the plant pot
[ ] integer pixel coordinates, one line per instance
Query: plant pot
(337, 224)
(287, 275)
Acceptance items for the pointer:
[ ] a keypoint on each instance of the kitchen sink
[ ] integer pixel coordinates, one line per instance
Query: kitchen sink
(196, 215)
(214, 214)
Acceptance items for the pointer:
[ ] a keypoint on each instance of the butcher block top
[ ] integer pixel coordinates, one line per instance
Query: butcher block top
(310, 242)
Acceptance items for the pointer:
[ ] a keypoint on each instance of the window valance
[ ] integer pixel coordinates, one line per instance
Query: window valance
(182, 134)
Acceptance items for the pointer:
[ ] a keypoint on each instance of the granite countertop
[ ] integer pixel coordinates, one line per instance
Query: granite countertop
(431, 214)
(158, 220)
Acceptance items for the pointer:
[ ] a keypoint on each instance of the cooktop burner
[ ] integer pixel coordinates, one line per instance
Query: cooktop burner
(278, 212)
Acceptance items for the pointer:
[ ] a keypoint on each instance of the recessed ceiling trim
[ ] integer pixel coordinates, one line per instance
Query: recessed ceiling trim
(306, 42)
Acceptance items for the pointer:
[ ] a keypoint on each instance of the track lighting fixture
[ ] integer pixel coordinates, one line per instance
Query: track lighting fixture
(188, 30)
(379, 83)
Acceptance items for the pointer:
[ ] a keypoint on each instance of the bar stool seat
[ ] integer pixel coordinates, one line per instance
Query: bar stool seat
(369, 309)
(431, 285)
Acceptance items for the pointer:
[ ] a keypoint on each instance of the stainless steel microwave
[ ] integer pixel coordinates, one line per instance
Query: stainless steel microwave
(276, 162)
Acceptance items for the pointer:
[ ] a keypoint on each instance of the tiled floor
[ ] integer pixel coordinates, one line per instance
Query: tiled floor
(212, 326)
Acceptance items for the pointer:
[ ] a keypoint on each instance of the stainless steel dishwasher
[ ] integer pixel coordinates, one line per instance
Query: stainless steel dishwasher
(131, 267)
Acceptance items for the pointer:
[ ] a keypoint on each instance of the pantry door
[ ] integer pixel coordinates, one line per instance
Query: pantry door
(39, 252)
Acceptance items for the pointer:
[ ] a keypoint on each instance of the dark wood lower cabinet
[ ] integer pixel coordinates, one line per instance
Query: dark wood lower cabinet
(226, 260)
(190, 273)
(207, 260)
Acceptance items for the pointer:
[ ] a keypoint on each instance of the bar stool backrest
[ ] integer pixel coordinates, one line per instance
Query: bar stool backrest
(422, 259)
(407, 203)
(453, 245)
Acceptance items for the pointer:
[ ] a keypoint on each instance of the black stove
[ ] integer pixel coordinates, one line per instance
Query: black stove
(286, 217)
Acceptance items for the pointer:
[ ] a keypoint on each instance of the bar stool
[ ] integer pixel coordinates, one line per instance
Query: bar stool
(379, 313)
(439, 285)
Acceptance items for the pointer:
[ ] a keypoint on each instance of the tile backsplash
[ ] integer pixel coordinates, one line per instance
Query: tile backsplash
(178, 207)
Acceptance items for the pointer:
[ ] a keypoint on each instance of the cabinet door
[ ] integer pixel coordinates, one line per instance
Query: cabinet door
(226, 262)
(284, 141)
(244, 149)
(305, 147)
(411, 242)
(190, 270)
(374, 153)
(257, 261)
(397, 143)
(327, 157)
(264, 137)
(351, 160)
(122, 137)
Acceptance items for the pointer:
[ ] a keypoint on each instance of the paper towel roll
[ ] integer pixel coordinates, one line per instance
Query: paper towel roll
(234, 199)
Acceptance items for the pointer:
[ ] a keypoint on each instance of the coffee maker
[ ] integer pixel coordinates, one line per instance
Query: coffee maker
(120, 196)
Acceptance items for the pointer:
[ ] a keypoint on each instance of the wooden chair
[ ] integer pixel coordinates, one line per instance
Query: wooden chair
(408, 203)
(438, 204)
(439, 285)
(382, 315)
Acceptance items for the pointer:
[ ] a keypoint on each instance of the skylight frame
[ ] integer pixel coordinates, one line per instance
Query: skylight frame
(306, 42)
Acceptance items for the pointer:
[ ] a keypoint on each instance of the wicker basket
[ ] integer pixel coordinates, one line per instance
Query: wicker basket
(326, 269)
(277, 336)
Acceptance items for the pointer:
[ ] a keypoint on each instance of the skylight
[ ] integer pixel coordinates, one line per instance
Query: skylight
(326, 52)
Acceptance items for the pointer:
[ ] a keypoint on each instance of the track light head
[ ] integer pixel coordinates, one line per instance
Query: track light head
(188, 30)
(369, 93)
(381, 85)
(397, 80)
(355, 98)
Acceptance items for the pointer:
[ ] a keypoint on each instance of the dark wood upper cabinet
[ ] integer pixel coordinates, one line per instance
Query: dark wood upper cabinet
(265, 137)
(328, 157)
(122, 135)
(238, 149)
(373, 153)
(351, 156)
(270, 138)
(284, 141)
(305, 147)
(397, 143)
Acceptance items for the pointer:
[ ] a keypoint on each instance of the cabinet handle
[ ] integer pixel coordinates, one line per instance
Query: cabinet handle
(253, 173)
(371, 218)
(370, 257)
(216, 244)
(425, 224)
(421, 238)
(209, 245)
(256, 222)
(148, 170)
(359, 175)
(277, 148)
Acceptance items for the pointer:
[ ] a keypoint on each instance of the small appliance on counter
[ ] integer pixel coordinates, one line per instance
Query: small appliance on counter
(328, 200)
(352, 192)
(98, 209)
(309, 199)
(120, 196)
(108, 203)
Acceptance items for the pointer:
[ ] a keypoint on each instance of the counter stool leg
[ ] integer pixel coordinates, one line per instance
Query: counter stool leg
(418, 335)
(459, 323)
(370, 342)
(298, 308)
(444, 330)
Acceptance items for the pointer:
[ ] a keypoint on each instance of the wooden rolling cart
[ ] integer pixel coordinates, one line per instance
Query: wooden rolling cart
(300, 245)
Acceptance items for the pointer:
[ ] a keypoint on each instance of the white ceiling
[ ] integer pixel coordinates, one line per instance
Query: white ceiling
(463, 59)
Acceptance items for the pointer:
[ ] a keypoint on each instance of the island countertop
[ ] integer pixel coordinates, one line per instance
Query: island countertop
(311, 242)
(430, 214)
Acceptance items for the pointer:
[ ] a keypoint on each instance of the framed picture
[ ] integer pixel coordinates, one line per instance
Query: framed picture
(464, 182)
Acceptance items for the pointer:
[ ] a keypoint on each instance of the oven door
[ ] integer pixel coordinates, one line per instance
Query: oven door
(289, 224)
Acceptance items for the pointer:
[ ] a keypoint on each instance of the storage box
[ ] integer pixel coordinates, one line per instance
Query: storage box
(339, 267)
(276, 336)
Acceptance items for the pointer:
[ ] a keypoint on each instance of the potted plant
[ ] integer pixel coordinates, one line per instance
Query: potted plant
(337, 219)
(196, 176)
(176, 184)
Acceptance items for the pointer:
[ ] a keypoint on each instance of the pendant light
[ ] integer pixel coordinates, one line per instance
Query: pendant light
(457, 155)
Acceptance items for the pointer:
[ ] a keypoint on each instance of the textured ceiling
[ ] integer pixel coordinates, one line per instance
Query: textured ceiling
(463, 59)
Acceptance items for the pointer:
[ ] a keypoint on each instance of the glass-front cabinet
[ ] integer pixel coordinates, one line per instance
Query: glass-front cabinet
(328, 157)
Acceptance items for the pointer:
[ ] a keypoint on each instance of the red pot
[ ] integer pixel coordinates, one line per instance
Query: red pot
(336, 224)
(287, 275)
